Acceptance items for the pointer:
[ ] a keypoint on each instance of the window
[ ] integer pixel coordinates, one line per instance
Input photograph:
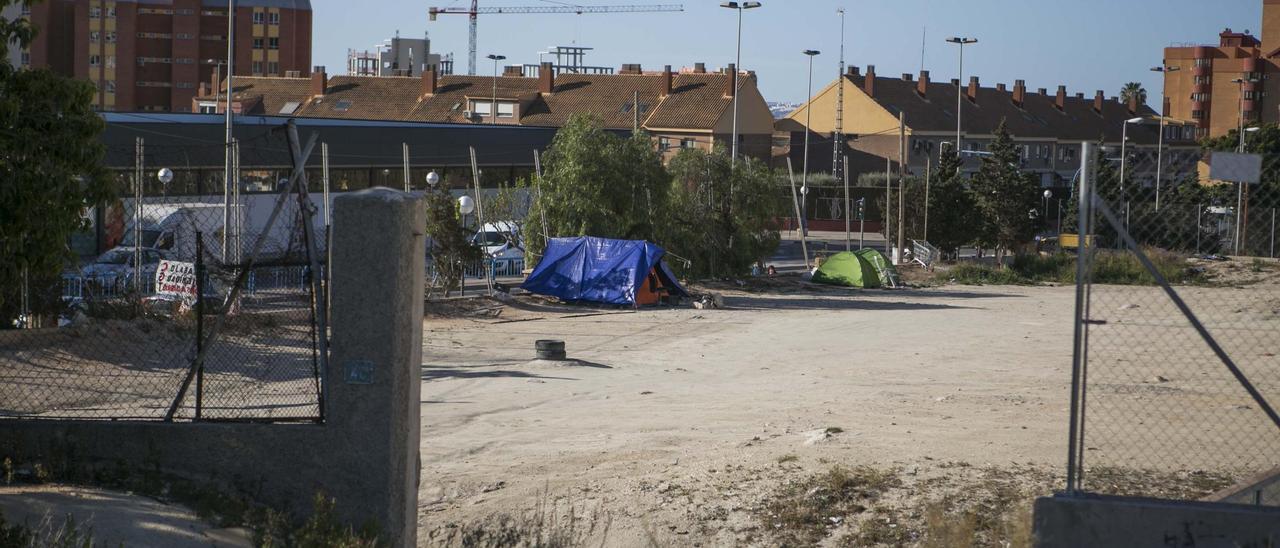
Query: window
(186, 11)
(110, 85)
(257, 17)
(111, 61)
(94, 36)
(273, 43)
(342, 105)
(208, 108)
(1200, 97)
(111, 12)
(111, 37)
(185, 36)
(687, 143)
(481, 108)
(26, 58)
(95, 12)
(506, 110)
(273, 68)
(1197, 114)
(274, 18)
(664, 143)
(1202, 79)
(257, 68)
(95, 60)
(185, 85)
(1204, 62)
(257, 43)
(186, 61)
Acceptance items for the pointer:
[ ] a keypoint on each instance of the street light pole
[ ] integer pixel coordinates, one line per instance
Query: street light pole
(1164, 84)
(804, 174)
(960, 41)
(493, 112)
(227, 175)
(740, 7)
(1124, 140)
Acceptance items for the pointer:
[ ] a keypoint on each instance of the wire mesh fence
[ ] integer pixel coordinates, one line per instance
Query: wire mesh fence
(1178, 355)
(200, 308)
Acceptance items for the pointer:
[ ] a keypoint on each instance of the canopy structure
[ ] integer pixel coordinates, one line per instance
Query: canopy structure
(602, 270)
(866, 268)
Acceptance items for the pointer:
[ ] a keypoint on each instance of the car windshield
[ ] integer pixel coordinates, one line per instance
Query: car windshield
(116, 256)
(490, 238)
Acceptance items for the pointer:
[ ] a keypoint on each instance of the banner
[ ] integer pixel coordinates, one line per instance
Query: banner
(177, 279)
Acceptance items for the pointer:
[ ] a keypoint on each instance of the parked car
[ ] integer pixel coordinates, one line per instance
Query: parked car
(501, 238)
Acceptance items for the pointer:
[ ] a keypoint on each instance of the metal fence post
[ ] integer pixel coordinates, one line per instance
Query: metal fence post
(1273, 233)
(1199, 211)
(1076, 434)
(200, 321)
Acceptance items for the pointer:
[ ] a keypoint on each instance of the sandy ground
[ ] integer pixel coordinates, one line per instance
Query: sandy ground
(110, 518)
(680, 425)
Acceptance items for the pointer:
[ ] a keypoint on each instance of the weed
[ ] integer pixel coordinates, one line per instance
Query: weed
(46, 533)
(806, 510)
(1258, 265)
(834, 430)
(1107, 267)
(545, 526)
(273, 529)
(787, 458)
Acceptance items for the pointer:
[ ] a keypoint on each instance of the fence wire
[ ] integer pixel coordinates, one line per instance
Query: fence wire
(1158, 400)
(105, 341)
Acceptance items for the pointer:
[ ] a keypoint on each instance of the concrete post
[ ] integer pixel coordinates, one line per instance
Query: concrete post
(376, 286)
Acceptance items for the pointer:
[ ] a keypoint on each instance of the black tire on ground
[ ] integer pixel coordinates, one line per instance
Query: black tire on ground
(557, 355)
(549, 344)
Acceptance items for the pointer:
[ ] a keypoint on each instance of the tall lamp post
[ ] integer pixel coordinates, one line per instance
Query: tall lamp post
(961, 41)
(804, 174)
(1124, 140)
(227, 179)
(740, 7)
(493, 112)
(1164, 84)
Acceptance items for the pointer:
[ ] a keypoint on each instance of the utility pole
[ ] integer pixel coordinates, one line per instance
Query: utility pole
(227, 182)
(902, 184)
(836, 134)
(887, 217)
(928, 159)
(848, 213)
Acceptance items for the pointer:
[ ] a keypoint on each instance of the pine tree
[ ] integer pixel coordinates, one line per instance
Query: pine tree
(1006, 197)
(952, 212)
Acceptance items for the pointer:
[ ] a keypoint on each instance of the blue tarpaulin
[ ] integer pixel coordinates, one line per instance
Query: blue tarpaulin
(601, 270)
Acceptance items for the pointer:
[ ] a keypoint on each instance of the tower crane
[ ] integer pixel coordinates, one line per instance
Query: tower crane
(475, 11)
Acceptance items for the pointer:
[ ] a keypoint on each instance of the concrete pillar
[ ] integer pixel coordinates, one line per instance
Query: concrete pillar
(376, 351)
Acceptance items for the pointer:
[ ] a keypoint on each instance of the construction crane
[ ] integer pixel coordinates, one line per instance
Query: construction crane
(475, 11)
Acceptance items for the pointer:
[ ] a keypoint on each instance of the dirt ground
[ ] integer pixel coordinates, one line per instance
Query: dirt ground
(948, 405)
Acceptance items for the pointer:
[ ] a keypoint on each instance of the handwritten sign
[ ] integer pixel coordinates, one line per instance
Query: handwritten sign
(177, 279)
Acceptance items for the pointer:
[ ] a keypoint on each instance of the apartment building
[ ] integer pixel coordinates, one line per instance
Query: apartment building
(153, 55)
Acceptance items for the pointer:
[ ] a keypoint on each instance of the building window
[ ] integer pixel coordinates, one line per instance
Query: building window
(506, 110)
(687, 143)
(111, 12)
(186, 11)
(208, 108)
(185, 85)
(110, 85)
(1200, 97)
(111, 61)
(185, 36)
(94, 36)
(664, 143)
(273, 68)
(257, 18)
(257, 68)
(95, 60)
(481, 108)
(257, 43)
(274, 18)
(111, 37)
(1204, 62)
(95, 12)
(26, 58)
(273, 43)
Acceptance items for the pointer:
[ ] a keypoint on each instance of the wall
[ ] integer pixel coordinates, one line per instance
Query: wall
(1103, 522)
(366, 453)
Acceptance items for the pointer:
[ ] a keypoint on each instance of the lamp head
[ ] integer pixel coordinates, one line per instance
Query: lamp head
(165, 175)
(466, 205)
(433, 178)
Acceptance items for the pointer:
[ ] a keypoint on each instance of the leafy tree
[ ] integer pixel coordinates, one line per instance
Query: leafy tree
(953, 214)
(721, 214)
(450, 246)
(50, 173)
(1006, 197)
(1133, 90)
(597, 183)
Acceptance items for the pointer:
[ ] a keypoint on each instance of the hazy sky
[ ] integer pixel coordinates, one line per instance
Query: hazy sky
(1096, 44)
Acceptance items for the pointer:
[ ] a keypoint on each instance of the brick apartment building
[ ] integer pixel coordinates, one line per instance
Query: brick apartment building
(1203, 87)
(153, 55)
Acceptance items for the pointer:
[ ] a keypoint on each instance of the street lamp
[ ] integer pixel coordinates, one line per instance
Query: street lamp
(1164, 84)
(1124, 140)
(740, 7)
(804, 174)
(493, 113)
(433, 178)
(1240, 82)
(961, 41)
(1047, 194)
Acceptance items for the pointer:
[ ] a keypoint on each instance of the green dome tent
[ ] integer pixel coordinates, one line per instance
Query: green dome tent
(866, 268)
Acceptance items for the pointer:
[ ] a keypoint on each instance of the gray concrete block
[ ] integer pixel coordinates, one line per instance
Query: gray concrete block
(1103, 521)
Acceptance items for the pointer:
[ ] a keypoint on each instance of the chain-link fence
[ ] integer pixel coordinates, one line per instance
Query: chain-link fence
(200, 307)
(1177, 338)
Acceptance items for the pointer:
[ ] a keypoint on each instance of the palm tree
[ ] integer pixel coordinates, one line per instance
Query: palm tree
(1133, 90)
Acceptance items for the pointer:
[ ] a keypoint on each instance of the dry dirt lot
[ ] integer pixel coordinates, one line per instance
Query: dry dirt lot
(788, 418)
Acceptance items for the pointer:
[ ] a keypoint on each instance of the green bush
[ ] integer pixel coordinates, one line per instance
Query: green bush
(1109, 267)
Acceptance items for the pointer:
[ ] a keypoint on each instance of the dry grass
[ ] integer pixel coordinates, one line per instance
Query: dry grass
(806, 511)
(549, 524)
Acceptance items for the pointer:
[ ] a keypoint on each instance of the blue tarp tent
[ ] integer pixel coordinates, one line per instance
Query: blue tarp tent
(604, 271)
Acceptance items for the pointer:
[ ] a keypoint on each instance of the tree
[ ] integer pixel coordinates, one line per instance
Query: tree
(450, 246)
(1007, 198)
(722, 215)
(51, 171)
(953, 214)
(596, 183)
(1133, 90)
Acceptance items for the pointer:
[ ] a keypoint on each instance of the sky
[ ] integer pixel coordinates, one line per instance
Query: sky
(1088, 45)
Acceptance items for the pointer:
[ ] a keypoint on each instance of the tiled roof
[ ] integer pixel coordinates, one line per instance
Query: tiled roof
(1038, 117)
(696, 102)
